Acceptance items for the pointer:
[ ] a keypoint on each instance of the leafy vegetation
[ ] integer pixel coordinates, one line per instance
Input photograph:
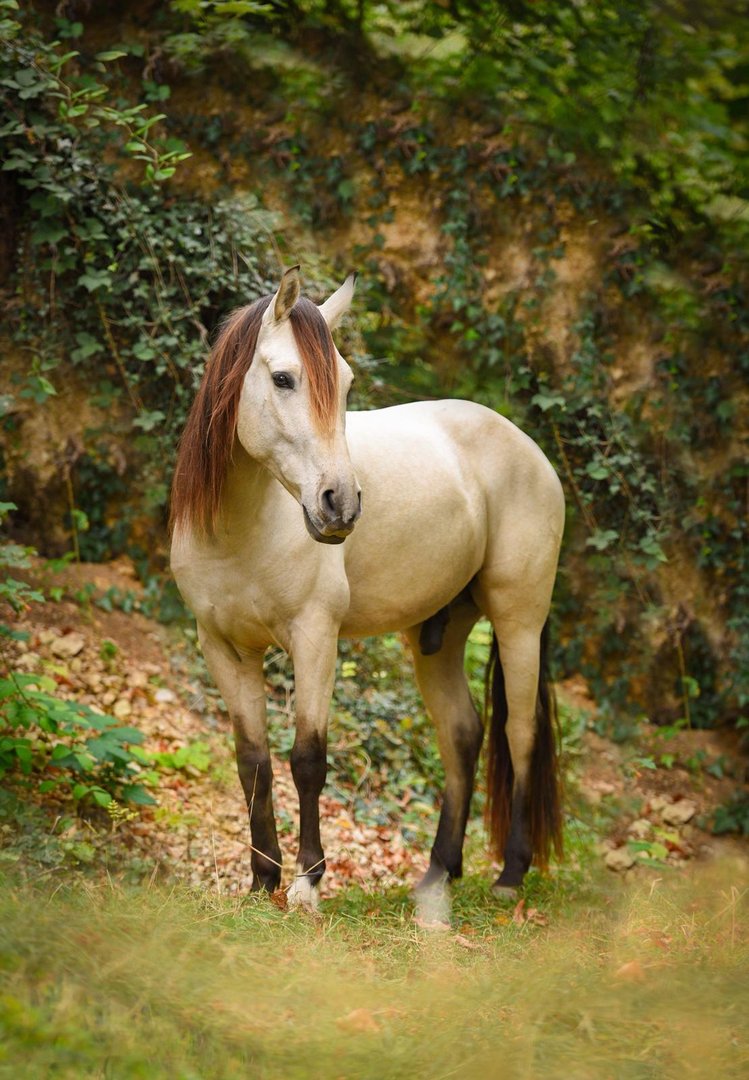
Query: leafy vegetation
(178, 984)
(627, 145)
(120, 280)
(548, 204)
(61, 744)
(525, 128)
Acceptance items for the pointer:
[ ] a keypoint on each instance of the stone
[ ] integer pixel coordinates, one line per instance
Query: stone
(679, 813)
(29, 661)
(659, 802)
(68, 646)
(640, 828)
(122, 708)
(620, 859)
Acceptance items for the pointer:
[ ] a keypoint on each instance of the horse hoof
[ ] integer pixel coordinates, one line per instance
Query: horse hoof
(432, 907)
(433, 926)
(505, 892)
(303, 894)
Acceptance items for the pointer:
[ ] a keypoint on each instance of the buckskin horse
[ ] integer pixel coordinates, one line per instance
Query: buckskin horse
(295, 522)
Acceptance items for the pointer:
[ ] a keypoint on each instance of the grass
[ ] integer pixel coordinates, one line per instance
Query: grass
(97, 980)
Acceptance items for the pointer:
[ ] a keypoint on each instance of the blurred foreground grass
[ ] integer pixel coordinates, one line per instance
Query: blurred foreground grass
(643, 981)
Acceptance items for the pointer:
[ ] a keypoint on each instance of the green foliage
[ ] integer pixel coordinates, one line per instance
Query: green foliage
(65, 745)
(658, 93)
(381, 739)
(16, 594)
(59, 745)
(733, 816)
(629, 119)
(52, 99)
(122, 279)
(193, 757)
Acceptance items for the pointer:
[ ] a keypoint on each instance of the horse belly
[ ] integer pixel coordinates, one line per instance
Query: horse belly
(403, 567)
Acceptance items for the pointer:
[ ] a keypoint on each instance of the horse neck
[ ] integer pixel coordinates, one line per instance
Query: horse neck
(246, 487)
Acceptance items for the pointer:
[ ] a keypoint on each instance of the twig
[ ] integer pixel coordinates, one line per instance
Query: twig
(215, 862)
(134, 398)
(257, 851)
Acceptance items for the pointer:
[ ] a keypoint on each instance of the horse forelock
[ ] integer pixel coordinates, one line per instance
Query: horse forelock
(205, 449)
(207, 442)
(318, 353)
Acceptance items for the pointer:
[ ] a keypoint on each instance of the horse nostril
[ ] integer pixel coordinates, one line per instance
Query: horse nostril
(328, 498)
(359, 499)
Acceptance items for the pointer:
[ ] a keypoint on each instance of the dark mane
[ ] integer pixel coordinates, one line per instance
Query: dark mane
(205, 449)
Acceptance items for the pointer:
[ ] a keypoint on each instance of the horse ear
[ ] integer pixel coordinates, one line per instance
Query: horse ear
(288, 293)
(336, 306)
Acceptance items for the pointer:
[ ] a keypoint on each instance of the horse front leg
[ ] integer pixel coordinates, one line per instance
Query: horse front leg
(314, 650)
(242, 686)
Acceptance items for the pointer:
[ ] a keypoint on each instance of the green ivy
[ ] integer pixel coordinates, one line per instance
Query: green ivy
(629, 117)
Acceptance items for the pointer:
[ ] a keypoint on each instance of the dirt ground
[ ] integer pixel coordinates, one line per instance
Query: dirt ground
(652, 802)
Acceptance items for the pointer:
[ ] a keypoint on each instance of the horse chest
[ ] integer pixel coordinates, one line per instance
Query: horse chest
(252, 599)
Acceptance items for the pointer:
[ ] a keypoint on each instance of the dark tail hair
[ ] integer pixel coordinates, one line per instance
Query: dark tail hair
(544, 789)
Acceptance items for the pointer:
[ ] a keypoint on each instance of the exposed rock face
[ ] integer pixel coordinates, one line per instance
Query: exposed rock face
(42, 443)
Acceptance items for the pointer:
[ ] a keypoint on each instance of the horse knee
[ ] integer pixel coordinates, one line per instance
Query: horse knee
(309, 764)
(255, 773)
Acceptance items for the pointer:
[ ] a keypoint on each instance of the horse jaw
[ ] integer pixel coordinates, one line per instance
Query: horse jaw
(334, 538)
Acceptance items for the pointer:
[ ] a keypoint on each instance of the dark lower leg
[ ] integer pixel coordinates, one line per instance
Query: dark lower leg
(446, 859)
(518, 849)
(309, 767)
(256, 775)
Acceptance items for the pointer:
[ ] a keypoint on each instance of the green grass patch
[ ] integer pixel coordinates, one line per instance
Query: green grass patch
(102, 981)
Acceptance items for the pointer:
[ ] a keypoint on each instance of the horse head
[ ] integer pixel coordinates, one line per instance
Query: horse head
(292, 407)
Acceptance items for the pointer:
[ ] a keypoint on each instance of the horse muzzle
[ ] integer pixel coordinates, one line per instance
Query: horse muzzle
(335, 522)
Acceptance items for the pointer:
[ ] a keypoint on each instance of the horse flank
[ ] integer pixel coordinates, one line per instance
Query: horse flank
(207, 444)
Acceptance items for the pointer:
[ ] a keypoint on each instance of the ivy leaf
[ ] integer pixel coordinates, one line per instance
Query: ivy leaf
(602, 539)
(597, 470)
(548, 401)
(48, 232)
(149, 420)
(87, 346)
(653, 549)
(95, 279)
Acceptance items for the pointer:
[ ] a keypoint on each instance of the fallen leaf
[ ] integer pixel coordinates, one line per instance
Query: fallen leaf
(466, 943)
(522, 916)
(533, 915)
(431, 924)
(280, 899)
(632, 971)
(360, 1021)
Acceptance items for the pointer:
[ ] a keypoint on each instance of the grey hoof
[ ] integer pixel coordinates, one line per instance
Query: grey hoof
(432, 907)
(505, 892)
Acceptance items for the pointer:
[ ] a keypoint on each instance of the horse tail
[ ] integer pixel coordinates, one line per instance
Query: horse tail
(544, 799)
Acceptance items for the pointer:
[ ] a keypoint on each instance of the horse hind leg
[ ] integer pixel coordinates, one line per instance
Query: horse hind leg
(442, 681)
(523, 786)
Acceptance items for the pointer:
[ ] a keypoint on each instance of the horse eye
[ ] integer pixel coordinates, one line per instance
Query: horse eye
(283, 380)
